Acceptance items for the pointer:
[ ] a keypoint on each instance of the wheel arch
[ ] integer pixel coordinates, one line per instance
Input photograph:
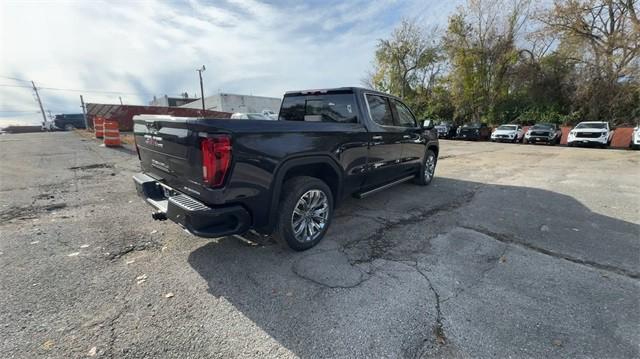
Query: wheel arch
(435, 148)
(322, 167)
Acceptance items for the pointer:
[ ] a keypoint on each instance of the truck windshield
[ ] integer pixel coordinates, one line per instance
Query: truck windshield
(319, 108)
(599, 125)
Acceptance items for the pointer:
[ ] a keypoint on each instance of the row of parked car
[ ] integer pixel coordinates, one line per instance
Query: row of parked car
(584, 133)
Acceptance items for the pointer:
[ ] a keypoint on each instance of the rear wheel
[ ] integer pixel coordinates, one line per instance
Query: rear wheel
(427, 170)
(305, 212)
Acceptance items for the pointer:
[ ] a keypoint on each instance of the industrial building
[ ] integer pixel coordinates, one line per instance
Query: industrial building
(226, 102)
(169, 101)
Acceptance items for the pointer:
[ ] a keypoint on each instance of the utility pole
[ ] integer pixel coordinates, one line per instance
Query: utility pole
(84, 113)
(201, 87)
(44, 117)
(120, 97)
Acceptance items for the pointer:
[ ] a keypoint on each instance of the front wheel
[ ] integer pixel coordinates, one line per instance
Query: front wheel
(427, 170)
(305, 212)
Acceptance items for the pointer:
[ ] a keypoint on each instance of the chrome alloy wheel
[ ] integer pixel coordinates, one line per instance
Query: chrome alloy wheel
(310, 215)
(429, 167)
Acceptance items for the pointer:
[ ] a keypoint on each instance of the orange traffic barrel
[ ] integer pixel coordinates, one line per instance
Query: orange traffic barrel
(98, 126)
(565, 134)
(111, 133)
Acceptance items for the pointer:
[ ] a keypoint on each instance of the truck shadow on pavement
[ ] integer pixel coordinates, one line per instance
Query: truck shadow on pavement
(415, 272)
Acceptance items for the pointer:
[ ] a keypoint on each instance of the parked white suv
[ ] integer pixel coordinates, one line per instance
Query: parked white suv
(507, 133)
(590, 133)
(635, 138)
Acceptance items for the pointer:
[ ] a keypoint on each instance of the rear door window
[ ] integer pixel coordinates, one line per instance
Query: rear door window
(380, 110)
(405, 117)
(319, 108)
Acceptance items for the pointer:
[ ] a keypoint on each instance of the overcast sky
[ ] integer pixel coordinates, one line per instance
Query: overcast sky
(145, 48)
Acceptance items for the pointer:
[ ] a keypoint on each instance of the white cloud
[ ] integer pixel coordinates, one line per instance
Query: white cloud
(143, 48)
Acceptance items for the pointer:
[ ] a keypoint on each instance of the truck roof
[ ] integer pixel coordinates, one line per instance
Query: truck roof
(338, 89)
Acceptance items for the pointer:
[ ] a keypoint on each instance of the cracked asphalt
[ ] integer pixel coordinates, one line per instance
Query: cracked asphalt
(513, 251)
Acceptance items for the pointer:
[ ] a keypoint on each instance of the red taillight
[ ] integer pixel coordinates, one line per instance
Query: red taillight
(216, 159)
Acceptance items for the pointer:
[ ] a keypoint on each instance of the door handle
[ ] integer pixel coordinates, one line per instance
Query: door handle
(376, 137)
(406, 136)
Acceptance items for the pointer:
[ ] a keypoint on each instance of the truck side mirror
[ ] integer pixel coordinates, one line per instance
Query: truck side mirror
(427, 124)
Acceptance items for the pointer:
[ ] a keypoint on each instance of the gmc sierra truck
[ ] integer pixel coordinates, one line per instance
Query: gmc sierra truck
(217, 177)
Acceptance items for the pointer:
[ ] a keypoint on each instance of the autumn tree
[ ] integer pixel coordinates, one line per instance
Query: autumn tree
(408, 64)
(502, 61)
(601, 38)
(480, 43)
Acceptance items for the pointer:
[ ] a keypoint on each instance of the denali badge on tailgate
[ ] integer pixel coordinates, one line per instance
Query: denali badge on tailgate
(153, 140)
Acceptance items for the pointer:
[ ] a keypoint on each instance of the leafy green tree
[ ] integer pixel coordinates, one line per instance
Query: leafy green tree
(408, 65)
(480, 43)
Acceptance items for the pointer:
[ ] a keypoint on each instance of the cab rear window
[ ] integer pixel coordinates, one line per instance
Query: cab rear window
(319, 108)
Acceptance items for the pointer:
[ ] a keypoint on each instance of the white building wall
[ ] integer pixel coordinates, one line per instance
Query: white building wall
(237, 103)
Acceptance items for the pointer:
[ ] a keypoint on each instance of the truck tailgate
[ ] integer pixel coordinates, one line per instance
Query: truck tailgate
(169, 150)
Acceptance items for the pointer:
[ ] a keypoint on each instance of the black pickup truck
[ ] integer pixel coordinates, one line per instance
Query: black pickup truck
(217, 177)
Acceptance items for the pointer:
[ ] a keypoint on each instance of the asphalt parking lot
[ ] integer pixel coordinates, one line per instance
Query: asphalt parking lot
(513, 251)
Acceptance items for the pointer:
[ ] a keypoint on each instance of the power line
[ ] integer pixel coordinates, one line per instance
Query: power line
(13, 78)
(96, 91)
(19, 111)
(77, 90)
(6, 85)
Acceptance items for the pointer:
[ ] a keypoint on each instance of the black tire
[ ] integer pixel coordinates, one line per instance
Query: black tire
(421, 178)
(293, 190)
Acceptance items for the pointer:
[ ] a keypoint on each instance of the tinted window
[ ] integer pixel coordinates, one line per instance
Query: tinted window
(380, 110)
(405, 117)
(319, 108)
